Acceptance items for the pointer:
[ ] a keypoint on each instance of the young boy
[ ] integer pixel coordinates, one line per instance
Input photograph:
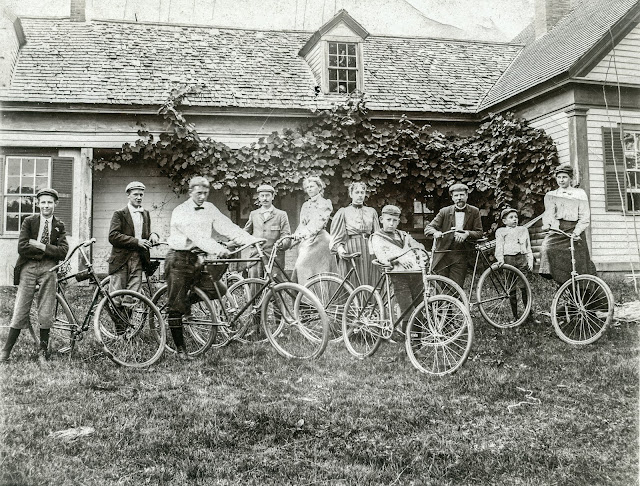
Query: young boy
(389, 242)
(41, 245)
(514, 248)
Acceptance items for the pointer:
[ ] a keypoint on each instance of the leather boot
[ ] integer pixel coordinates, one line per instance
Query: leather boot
(183, 355)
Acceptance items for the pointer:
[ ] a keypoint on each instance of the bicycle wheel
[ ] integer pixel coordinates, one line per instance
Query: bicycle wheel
(62, 334)
(128, 335)
(445, 286)
(498, 292)
(294, 321)
(332, 293)
(582, 309)
(363, 322)
(199, 326)
(439, 336)
(246, 310)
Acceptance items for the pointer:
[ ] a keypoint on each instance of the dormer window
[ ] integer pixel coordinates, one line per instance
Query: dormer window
(334, 54)
(343, 67)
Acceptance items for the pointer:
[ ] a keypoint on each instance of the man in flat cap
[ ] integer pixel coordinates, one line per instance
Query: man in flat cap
(269, 223)
(453, 251)
(41, 245)
(131, 238)
(390, 242)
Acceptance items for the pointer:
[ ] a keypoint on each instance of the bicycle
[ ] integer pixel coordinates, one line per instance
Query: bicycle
(439, 332)
(333, 291)
(131, 334)
(496, 290)
(582, 307)
(292, 318)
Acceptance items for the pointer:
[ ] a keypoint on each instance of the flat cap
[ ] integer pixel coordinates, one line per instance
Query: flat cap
(48, 192)
(391, 209)
(134, 185)
(265, 188)
(506, 211)
(458, 186)
(564, 169)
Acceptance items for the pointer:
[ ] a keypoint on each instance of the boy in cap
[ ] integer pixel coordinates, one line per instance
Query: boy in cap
(513, 247)
(192, 225)
(131, 238)
(389, 242)
(269, 223)
(452, 256)
(41, 245)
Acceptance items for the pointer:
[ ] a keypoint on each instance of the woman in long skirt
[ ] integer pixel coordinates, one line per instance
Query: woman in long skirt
(314, 256)
(566, 208)
(350, 231)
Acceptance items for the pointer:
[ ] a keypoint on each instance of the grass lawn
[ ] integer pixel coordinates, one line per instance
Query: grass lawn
(526, 409)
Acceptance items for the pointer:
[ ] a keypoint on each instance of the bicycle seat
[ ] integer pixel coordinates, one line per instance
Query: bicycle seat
(351, 256)
(384, 266)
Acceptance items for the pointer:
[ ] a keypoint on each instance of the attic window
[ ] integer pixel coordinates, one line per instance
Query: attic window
(343, 67)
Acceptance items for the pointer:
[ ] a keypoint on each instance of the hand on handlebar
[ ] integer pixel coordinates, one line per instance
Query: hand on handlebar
(460, 236)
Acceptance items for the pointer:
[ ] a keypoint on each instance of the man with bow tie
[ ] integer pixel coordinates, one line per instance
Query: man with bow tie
(271, 224)
(196, 224)
(41, 245)
(453, 251)
(131, 238)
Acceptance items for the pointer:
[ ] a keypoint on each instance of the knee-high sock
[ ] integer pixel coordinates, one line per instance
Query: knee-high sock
(11, 339)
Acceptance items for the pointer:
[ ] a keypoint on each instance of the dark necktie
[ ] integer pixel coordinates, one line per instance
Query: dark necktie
(357, 206)
(460, 210)
(45, 233)
(198, 208)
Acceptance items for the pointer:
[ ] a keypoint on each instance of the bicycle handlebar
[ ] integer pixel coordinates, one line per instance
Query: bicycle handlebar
(393, 259)
(84, 244)
(568, 235)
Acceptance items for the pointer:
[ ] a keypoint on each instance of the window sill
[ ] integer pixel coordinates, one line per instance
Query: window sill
(9, 237)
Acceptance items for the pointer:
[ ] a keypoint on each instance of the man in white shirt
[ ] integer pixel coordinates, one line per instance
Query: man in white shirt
(131, 238)
(41, 245)
(193, 226)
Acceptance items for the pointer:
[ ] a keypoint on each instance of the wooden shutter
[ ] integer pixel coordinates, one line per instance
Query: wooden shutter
(614, 164)
(62, 181)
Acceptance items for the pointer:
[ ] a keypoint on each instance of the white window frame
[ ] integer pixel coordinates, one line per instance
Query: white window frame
(359, 63)
(6, 195)
(631, 154)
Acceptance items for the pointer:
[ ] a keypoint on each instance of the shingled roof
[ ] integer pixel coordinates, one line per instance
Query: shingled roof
(126, 63)
(559, 50)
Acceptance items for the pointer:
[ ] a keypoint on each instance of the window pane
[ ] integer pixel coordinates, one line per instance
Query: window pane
(351, 87)
(41, 183)
(42, 168)
(332, 48)
(13, 223)
(13, 166)
(26, 205)
(13, 204)
(333, 87)
(13, 184)
(629, 142)
(342, 49)
(351, 62)
(342, 88)
(28, 167)
(351, 76)
(342, 61)
(333, 75)
(342, 75)
(27, 186)
(333, 60)
(351, 49)
(633, 201)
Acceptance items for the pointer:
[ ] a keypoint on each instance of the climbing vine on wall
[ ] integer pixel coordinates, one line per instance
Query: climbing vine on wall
(505, 162)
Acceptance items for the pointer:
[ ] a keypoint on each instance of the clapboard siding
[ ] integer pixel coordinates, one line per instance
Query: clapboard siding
(613, 235)
(622, 63)
(556, 126)
(314, 59)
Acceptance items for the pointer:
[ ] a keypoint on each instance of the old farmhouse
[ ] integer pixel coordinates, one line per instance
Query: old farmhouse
(72, 89)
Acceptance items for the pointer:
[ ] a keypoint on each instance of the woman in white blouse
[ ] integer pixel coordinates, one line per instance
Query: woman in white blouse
(314, 256)
(566, 208)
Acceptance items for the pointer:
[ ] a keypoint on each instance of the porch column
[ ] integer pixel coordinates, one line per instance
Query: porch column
(579, 152)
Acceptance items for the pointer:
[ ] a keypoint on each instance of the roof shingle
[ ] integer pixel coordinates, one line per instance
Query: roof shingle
(107, 62)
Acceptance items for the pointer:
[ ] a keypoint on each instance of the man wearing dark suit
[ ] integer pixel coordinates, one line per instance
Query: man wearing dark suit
(41, 245)
(271, 224)
(131, 237)
(453, 251)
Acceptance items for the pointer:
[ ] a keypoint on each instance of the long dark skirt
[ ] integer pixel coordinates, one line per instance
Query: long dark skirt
(366, 270)
(555, 255)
